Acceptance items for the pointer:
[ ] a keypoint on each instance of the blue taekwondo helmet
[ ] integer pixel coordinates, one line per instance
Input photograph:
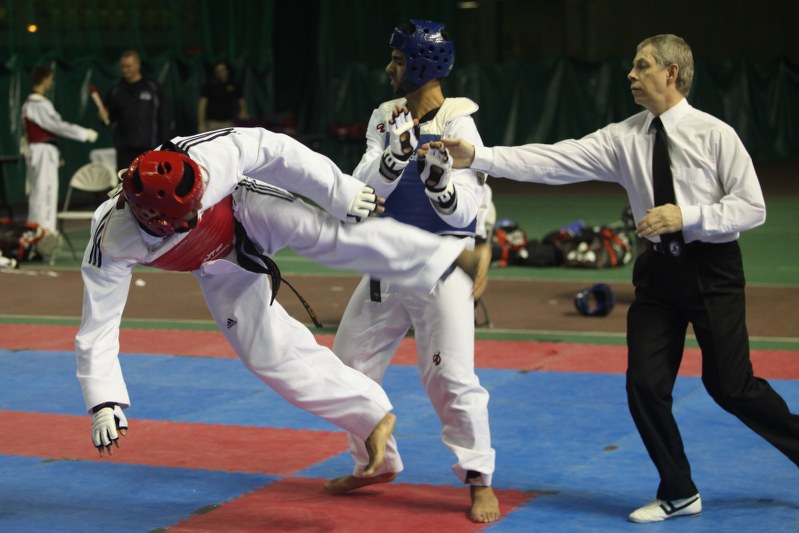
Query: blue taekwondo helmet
(596, 300)
(428, 52)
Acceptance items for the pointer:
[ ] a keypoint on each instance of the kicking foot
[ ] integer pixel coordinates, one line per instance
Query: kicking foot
(376, 443)
(485, 506)
(344, 484)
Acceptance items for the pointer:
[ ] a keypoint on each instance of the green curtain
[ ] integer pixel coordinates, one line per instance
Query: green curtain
(555, 99)
(353, 52)
(332, 59)
(178, 41)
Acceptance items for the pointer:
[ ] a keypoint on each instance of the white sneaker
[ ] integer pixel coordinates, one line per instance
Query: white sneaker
(660, 510)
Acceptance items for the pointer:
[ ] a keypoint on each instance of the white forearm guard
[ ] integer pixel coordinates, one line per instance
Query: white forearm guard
(391, 167)
(445, 201)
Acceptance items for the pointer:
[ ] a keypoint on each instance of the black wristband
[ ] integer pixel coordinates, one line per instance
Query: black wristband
(103, 406)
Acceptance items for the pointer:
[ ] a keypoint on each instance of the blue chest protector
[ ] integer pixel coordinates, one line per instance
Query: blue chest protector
(408, 202)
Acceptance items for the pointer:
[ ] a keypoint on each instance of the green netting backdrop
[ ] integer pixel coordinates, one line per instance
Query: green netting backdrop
(324, 67)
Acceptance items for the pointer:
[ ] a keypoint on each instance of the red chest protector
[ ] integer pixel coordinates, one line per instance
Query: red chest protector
(211, 239)
(36, 133)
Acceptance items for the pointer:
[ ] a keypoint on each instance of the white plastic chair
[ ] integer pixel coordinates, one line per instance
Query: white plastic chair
(91, 177)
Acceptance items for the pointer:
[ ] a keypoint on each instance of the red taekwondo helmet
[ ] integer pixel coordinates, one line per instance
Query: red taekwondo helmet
(428, 52)
(162, 188)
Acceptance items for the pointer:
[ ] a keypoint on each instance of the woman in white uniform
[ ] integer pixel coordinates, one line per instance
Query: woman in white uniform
(43, 126)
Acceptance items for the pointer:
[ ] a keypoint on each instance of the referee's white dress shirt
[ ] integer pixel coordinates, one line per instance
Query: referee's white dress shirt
(714, 180)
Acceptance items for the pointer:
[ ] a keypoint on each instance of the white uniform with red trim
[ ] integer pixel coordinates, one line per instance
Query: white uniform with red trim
(43, 125)
(236, 163)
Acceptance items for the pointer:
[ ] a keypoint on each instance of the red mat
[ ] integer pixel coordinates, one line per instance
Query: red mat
(301, 505)
(514, 355)
(288, 505)
(252, 450)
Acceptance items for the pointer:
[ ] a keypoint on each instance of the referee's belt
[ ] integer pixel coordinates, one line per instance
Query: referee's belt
(694, 246)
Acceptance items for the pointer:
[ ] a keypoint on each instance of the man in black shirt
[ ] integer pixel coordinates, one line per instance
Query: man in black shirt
(136, 111)
(221, 103)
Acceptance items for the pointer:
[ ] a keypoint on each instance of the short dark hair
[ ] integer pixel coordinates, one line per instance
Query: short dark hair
(39, 73)
(225, 63)
(130, 53)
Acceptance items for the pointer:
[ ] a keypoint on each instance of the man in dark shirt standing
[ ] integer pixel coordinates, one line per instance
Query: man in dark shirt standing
(136, 111)
(221, 103)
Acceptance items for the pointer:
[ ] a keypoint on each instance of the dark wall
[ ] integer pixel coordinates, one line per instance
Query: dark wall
(595, 30)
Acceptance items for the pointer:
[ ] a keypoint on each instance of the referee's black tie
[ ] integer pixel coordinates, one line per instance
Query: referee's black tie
(672, 243)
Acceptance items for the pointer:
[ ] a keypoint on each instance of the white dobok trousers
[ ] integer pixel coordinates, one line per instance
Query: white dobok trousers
(279, 349)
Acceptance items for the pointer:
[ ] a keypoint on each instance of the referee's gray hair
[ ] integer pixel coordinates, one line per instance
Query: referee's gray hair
(669, 49)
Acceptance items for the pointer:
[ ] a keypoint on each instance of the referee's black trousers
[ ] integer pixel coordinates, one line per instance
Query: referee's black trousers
(706, 289)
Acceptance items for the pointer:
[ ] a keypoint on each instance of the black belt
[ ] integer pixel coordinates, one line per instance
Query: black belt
(250, 259)
(374, 290)
(54, 142)
(687, 247)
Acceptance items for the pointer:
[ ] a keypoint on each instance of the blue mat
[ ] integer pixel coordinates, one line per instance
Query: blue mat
(566, 436)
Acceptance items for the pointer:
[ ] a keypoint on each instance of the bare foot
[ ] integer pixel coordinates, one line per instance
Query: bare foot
(376, 443)
(343, 484)
(485, 506)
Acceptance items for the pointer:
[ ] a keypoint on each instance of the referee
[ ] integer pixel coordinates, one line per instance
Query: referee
(693, 190)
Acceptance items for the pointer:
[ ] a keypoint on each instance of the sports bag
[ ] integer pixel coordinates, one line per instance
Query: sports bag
(598, 247)
(19, 242)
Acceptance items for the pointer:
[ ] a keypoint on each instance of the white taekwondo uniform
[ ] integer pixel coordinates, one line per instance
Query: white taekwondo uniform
(237, 163)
